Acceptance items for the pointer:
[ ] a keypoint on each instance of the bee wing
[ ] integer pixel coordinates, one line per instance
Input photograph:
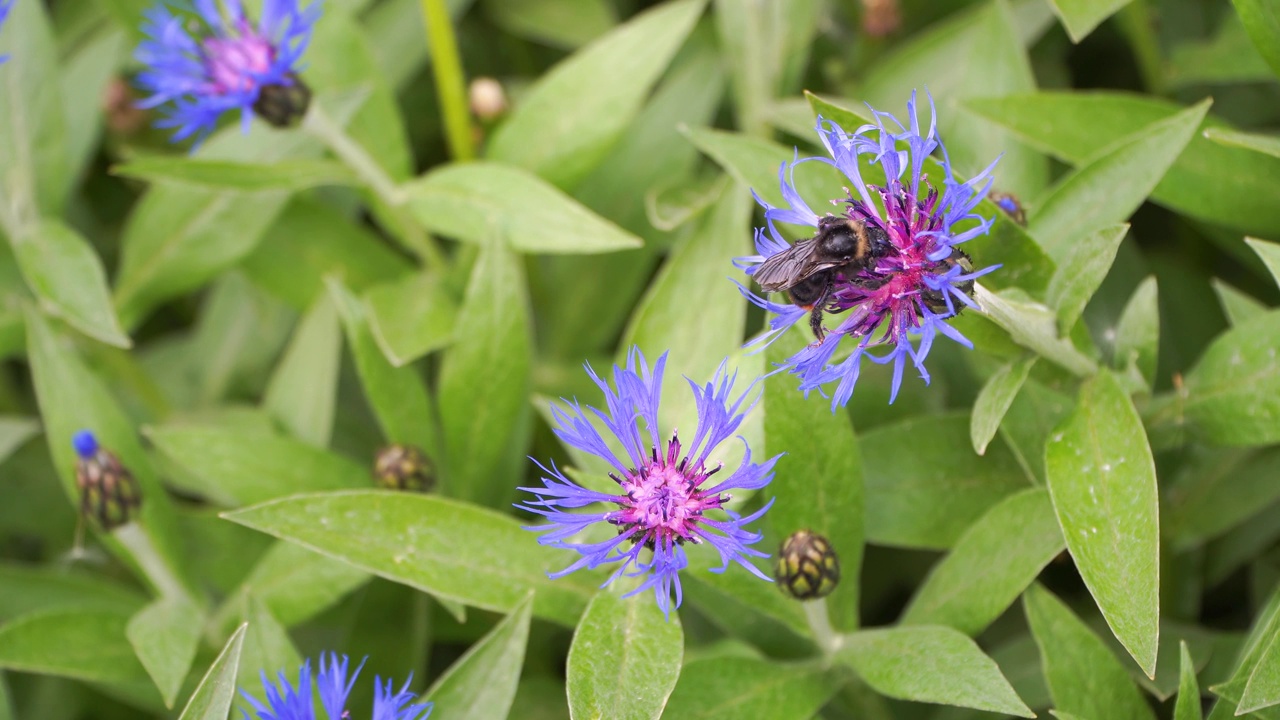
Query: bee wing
(791, 266)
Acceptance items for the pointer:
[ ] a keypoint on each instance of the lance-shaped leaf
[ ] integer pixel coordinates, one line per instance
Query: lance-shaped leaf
(1138, 332)
(287, 174)
(212, 697)
(165, 636)
(994, 401)
(414, 539)
(933, 664)
(575, 113)
(1108, 187)
(86, 645)
(624, 660)
(467, 201)
(482, 683)
(1080, 17)
(1232, 395)
(411, 317)
(1265, 144)
(1080, 271)
(1270, 254)
(1102, 478)
(303, 389)
(485, 380)
(1262, 21)
(1084, 677)
(65, 273)
(1187, 706)
(968, 590)
(726, 688)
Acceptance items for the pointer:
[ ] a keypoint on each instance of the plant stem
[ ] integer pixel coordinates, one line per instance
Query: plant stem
(451, 85)
(815, 611)
(351, 153)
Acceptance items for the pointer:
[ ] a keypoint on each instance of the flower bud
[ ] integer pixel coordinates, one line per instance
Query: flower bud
(807, 567)
(108, 491)
(283, 105)
(404, 467)
(487, 98)
(1008, 202)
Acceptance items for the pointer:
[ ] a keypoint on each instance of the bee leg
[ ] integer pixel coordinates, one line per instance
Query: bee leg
(815, 316)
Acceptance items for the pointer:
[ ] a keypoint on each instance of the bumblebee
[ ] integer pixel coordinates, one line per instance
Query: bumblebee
(808, 270)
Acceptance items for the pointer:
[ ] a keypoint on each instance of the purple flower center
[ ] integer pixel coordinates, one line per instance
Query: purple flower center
(662, 502)
(236, 63)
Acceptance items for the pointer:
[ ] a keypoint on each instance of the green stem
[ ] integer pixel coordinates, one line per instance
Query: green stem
(815, 611)
(450, 82)
(323, 128)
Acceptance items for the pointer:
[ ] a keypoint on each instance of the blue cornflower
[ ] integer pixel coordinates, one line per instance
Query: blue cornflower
(288, 701)
(663, 499)
(221, 61)
(903, 298)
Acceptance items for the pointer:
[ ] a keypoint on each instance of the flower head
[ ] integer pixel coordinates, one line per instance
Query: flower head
(221, 61)
(109, 493)
(290, 701)
(904, 293)
(666, 496)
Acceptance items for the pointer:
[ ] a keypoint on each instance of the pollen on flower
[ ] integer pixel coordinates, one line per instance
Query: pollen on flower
(668, 496)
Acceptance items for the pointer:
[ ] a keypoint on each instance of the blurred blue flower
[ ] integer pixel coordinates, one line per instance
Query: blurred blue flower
(209, 58)
(663, 499)
(902, 301)
(288, 701)
(5, 7)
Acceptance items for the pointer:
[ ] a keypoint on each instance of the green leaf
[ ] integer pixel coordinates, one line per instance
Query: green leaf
(577, 111)
(1032, 326)
(233, 466)
(85, 645)
(1106, 188)
(32, 124)
(1270, 254)
(1137, 340)
(1081, 270)
(819, 483)
(1263, 687)
(1080, 17)
(933, 664)
(700, 338)
(66, 275)
(1226, 56)
(1103, 482)
(994, 400)
(1222, 185)
(294, 584)
(267, 647)
(485, 381)
(1220, 494)
(624, 660)
(1238, 307)
(469, 201)
(86, 78)
(1265, 144)
(730, 688)
(14, 433)
(284, 174)
(27, 588)
(1262, 21)
(398, 396)
(304, 387)
(925, 494)
(411, 317)
(414, 540)
(968, 590)
(729, 597)
(212, 697)
(765, 46)
(481, 684)
(1188, 704)
(563, 23)
(1232, 395)
(311, 240)
(1084, 676)
(165, 635)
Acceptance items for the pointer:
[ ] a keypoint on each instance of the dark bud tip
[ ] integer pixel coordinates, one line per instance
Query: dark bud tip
(283, 105)
(404, 467)
(85, 443)
(109, 493)
(807, 567)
